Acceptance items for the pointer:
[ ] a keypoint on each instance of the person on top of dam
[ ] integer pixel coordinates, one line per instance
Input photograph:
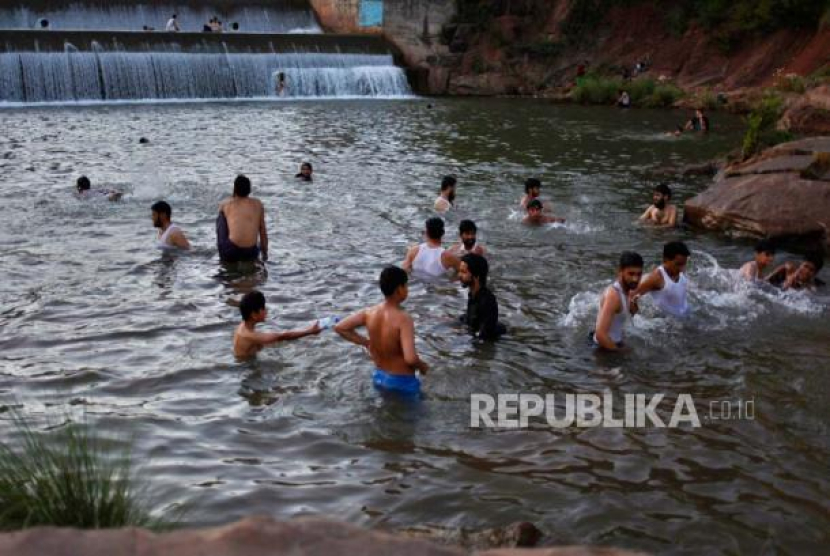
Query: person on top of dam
(173, 24)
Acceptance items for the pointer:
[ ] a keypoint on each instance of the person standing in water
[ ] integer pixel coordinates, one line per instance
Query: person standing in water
(468, 243)
(614, 306)
(764, 256)
(430, 259)
(667, 283)
(445, 200)
(247, 342)
(170, 236)
(661, 213)
(391, 341)
(482, 315)
(306, 172)
(699, 122)
(240, 223)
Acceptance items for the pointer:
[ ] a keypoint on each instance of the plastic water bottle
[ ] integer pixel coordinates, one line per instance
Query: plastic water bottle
(328, 322)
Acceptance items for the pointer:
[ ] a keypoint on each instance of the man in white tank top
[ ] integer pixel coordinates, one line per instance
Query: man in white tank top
(170, 236)
(430, 259)
(667, 284)
(614, 306)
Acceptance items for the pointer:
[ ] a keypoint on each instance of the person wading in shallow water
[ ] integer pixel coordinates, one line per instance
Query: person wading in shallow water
(391, 341)
(430, 259)
(667, 283)
(240, 223)
(446, 200)
(661, 213)
(482, 317)
(614, 306)
(170, 236)
(247, 342)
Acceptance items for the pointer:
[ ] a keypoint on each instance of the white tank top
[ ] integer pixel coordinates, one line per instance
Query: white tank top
(672, 298)
(163, 242)
(618, 324)
(428, 261)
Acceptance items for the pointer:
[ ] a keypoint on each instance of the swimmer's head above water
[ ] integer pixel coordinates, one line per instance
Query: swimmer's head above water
(434, 229)
(83, 184)
(306, 171)
(809, 268)
(252, 307)
(241, 186)
(764, 252)
(393, 284)
(534, 208)
(161, 214)
(448, 188)
(473, 271)
(675, 257)
(533, 187)
(468, 231)
(630, 270)
(661, 196)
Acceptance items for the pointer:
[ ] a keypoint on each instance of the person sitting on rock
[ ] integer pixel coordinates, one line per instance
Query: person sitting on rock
(802, 277)
(764, 255)
(661, 213)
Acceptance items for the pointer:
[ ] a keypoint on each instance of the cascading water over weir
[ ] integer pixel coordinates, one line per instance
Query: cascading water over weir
(289, 59)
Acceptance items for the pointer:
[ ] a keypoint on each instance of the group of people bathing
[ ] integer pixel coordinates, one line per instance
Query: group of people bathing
(242, 236)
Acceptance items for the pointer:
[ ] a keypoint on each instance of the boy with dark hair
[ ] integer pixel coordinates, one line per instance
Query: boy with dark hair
(306, 171)
(170, 236)
(667, 283)
(241, 234)
(533, 188)
(482, 315)
(85, 190)
(391, 341)
(430, 259)
(247, 342)
(446, 199)
(535, 216)
(614, 306)
(764, 255)
(802, 277)
(661, 213)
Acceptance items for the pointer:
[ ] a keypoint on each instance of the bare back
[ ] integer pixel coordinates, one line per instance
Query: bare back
(387, 326)
(245, 216)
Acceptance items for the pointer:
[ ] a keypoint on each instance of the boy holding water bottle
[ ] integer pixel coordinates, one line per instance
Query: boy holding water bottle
(247, 342)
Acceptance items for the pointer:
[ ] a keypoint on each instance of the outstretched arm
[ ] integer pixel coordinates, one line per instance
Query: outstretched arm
(653, 282)
(270, 338)
(346, 329)
(410, 355)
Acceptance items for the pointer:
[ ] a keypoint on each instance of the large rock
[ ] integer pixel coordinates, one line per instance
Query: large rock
(810, 114)
(249, 537)
(782, 193)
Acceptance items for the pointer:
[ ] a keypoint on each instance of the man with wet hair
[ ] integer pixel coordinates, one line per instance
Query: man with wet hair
(306, 171)
(247, 342)
(667, 283)
(468, 242)
(430, 259)
(85, 191)
(536, 217)
(661, 213)
(446, 199)
(614, 305)
(170, 236)
(802, 277)
(240, 223)
(533, 188)
(764, 256)
(482, 315)
(391, 341)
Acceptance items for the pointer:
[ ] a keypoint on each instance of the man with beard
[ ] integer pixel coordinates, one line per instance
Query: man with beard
(468, 243)
(482, 316)
(614, 306)
(170, 236)
(445, 200)
(662, 213)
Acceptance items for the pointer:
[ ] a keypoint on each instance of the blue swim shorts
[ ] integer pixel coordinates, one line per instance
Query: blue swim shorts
(408, 385)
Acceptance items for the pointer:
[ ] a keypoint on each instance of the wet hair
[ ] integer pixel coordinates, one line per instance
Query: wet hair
(435, 228)
(83, 183)
(392, 278)
(235, 26)
(175, 16)
(162, 207)
(478, 267)
(663, 189)
(765, 246)
(241, 186)
(307, 164)
(674, 248)
(467, 226)
(630, 259)
(816, 259)
(447, 182)
(530, 183)
(535, 204)
(252, 302)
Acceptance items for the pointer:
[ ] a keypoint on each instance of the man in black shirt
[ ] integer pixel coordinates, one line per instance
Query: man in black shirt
(482, 308)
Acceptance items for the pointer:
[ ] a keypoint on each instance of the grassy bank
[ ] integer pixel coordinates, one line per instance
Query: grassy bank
(644, 92)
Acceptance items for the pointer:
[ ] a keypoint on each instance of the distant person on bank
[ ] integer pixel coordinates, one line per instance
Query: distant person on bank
(615, 307)
(623, 100)
(446, 199)
(306, 172)
(661, 212)
(170, 236)
(764, 257)
(482, 316)
(430, 259)
(468, 240)
(247, 341)
(537, 217)
(241, 222)
(173, 24)
(667, 284)
(85, 191)
(802, 277)
(391, 341)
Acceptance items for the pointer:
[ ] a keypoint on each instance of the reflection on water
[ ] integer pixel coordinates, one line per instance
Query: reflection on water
(92, 312)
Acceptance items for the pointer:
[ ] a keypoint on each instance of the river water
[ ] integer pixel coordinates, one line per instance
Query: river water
(93, 316)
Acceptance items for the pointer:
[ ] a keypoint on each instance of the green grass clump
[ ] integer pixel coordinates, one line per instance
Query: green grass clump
(664, 96)
(595, 89)
(761, 132)
(68, 477)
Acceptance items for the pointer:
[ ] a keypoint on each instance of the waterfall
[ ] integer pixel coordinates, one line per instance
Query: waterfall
(285, 16)
(100, 75)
